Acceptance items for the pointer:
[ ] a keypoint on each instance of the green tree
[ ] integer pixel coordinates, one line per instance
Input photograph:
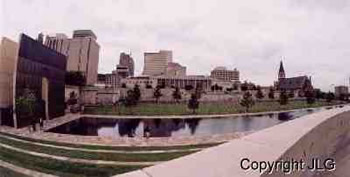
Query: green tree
(72, 98)
(235, 86)
(283, 98)
(177, 95)
(25, 104)
(244, 86)
(193, 103)
(188, 87)
(137, 92)
(271, 94)
(130, 100)
(198, 92)
(330, 97)
(75, 78)
(259, 94)
(291, 94)
(319, 94)
(157, 93)
(310, 97)
(247, 101)
(344, 97)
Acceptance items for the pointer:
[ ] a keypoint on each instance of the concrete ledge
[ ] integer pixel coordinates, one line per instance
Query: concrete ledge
(319, 135)
(24, 171)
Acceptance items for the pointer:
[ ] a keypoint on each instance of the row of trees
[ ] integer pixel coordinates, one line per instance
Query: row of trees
(248, 101)
(133, 97)
(316, 94)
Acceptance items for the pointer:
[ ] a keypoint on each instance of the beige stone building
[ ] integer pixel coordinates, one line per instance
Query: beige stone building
(82, 52)
(169, 81)
(341, 91)
(222, 73)
(110, 80)
(8, 60)
(126, 61)
(156, 63)
(175, 69)
(141, 81)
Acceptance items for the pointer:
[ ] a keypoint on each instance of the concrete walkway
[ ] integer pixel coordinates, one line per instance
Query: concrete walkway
(23, 170)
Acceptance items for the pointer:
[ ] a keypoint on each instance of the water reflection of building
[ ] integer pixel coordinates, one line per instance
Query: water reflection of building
(163, 127)
(284, 116)
(127, 127)
(192, 124)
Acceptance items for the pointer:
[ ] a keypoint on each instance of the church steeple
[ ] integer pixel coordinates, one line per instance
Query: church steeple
(281, 73)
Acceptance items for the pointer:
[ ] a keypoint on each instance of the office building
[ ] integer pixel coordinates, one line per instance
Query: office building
(8, 61)
(341, 91)
(169, 82)
(223, 74)
(156, 63)
(110, 80)
(175, 69)
(82, 51)
(126, 61)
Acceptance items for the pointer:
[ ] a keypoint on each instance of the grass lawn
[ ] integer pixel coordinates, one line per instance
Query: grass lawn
(122, 157)
(61, 168)
(121, 148)
(4, 172)
(204, 108)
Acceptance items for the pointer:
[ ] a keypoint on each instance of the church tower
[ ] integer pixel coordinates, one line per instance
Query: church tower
(281, 73)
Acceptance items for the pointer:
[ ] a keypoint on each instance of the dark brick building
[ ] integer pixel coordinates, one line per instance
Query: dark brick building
(40, 70)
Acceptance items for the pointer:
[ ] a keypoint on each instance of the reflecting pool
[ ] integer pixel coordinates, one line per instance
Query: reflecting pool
(175, 127)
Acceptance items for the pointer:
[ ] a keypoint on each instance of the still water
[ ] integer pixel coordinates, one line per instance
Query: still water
(175, 127)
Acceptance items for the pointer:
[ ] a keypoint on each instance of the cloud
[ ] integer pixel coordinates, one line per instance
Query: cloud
(310, 35)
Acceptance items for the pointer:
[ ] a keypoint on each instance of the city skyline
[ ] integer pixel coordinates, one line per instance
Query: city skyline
(310, 37)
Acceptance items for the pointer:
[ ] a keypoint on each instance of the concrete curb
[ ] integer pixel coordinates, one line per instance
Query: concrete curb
(102, 151)
(195, 116)
(86, 161)
(24, 170)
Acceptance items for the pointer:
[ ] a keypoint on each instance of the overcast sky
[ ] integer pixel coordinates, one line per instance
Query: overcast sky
(311, 36)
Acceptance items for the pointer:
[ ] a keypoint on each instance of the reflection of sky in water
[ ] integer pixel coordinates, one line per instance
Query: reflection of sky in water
(176, 127)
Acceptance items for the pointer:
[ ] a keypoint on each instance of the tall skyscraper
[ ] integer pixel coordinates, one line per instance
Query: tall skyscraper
(157, 63)
(126, 61)
(82, 52)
